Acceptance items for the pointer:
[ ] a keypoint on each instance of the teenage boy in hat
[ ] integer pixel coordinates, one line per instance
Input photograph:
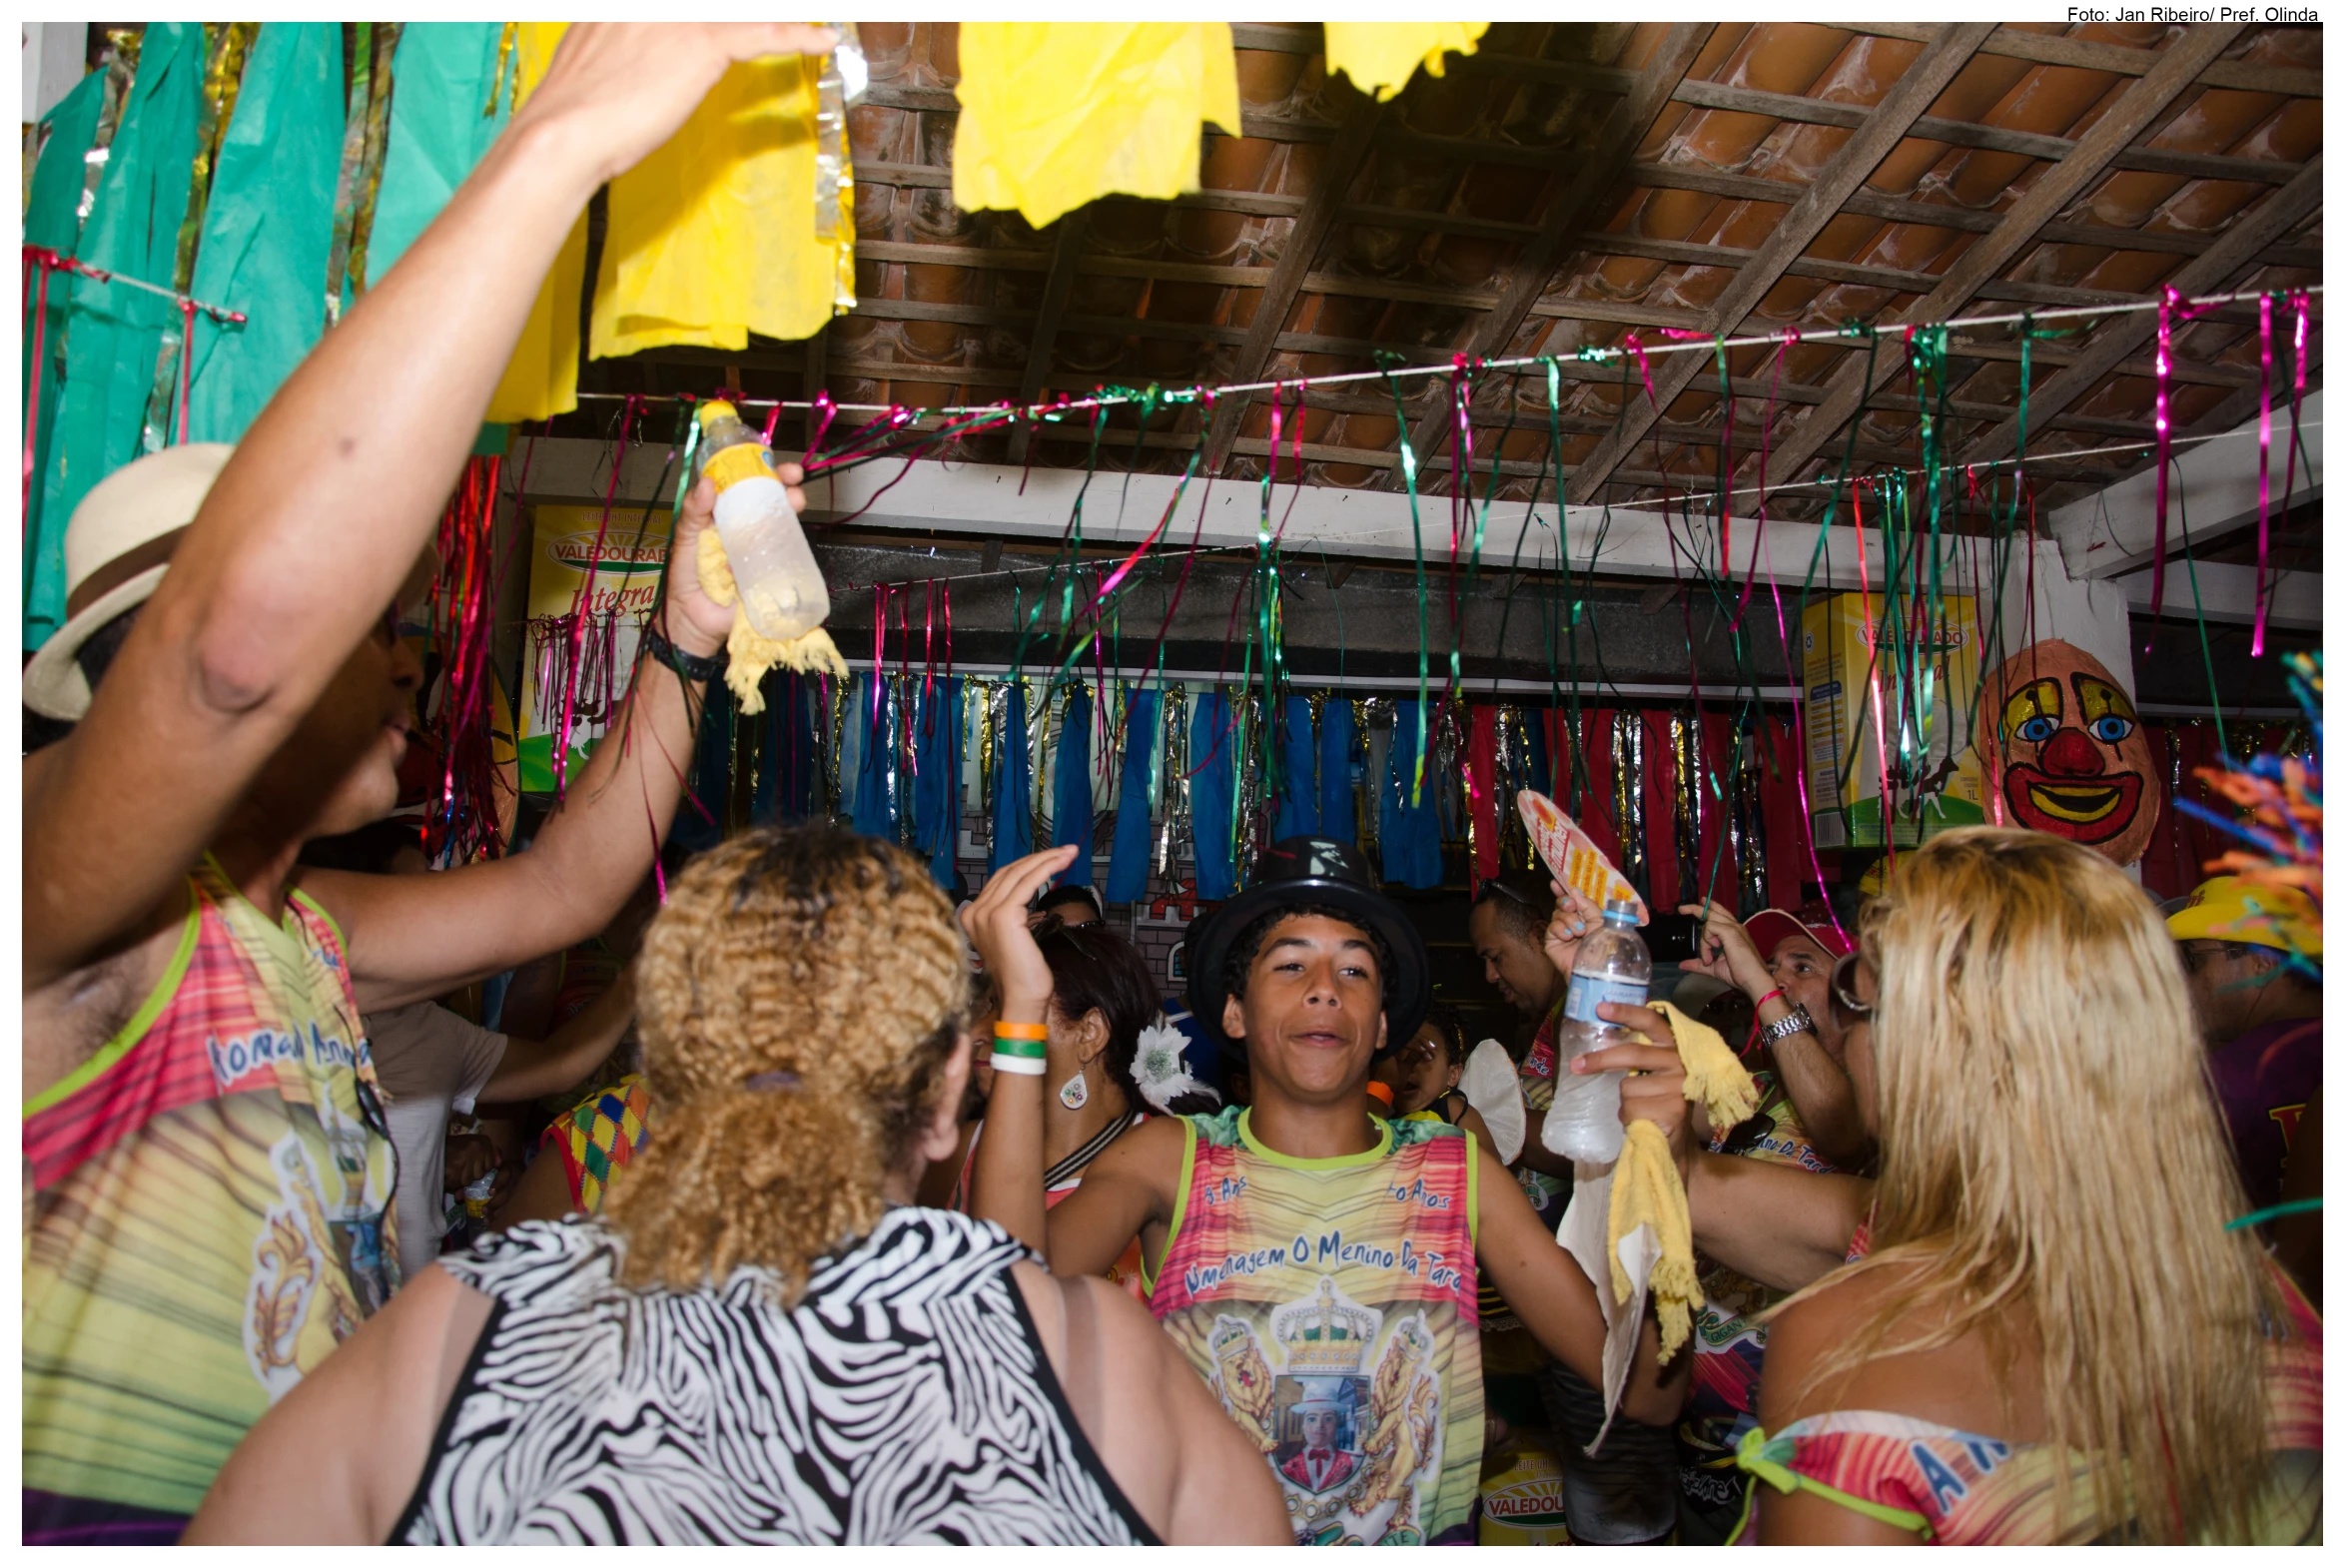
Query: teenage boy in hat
(1301, 1244)
(209, 1174)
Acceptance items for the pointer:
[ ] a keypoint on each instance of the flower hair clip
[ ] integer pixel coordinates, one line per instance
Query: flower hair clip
(1159, 1068)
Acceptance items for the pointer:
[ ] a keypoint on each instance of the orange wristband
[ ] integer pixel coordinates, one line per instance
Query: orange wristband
(1022, 1032)
(1382, 1092)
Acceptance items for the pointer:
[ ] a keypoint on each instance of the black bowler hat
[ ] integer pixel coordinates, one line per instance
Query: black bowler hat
(1327, 872)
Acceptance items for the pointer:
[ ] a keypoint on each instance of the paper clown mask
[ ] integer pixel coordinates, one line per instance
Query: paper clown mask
(2070, 758)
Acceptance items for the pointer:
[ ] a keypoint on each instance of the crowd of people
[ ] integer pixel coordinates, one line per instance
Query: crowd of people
(796, 1204)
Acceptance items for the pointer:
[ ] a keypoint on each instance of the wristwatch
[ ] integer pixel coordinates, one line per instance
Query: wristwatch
(1793, 1023)
(693, 666)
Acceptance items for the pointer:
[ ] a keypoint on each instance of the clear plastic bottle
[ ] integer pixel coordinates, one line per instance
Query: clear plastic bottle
(781, 587)
(1613, 966)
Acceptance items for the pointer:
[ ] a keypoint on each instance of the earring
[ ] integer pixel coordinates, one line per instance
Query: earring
(1075, 1093)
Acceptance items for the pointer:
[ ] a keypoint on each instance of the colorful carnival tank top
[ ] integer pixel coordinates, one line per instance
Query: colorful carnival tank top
(211, 1217)
(1329, 1303)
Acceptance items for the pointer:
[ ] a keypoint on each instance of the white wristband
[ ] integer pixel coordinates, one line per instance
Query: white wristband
(1027, 1066)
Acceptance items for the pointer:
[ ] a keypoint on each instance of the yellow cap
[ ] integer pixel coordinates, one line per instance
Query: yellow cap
(2231, 909)
(717, 409)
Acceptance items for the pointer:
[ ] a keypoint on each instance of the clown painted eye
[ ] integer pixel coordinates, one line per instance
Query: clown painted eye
(2039, 729)
(2110, 729)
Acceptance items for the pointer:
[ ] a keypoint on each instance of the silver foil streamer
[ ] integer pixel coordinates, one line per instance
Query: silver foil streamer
(1685, 800)
(1628, 793)
(1748, 821)
(845, 73)
(1173, 831)
(1368, 801)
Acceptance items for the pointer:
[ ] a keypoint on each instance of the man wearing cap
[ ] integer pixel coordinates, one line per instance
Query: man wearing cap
(2251, 954)
(1300, 1240)
(208, 1176)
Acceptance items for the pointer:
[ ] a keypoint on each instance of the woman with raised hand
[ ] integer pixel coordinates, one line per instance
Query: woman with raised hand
(1110, 1060)
(760, 1341)
(2047, 1330)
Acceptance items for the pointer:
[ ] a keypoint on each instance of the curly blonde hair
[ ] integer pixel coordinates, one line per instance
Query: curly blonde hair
(800, 996)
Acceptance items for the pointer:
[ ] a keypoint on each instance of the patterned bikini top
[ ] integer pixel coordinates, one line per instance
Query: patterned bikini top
(906, 1397)
(1956, 1488)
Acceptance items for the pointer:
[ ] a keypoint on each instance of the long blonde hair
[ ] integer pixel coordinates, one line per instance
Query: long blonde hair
(800, 995)
(2052, 1161)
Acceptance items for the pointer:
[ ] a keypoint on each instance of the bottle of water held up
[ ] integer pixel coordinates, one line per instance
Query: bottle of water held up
(1613, 966)
(781, 587)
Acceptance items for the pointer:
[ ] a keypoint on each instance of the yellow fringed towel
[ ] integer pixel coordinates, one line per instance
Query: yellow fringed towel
(1055, 114)
(1380, 57)
(1644, 1184)
(748, 655)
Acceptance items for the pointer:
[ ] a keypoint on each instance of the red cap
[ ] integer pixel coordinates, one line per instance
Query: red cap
(1769, 927)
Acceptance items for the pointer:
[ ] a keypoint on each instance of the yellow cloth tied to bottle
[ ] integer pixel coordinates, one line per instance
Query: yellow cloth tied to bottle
(1646, 1189)
(1055, 114)
(747, 655)
(1380, 57)
(542, 379)
(713, 237)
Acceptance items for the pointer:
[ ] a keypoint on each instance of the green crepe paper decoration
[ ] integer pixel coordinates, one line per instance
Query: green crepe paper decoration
(445, 72)
(53, 220)
(268, 227)
(113, 333)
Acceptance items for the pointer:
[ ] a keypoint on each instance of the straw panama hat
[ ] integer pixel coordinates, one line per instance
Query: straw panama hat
(116, 548)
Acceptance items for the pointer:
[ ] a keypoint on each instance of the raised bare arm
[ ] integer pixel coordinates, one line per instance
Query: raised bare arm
(318, 518)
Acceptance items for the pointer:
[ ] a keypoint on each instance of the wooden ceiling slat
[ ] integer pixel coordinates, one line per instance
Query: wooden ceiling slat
(2114, 340)
(1624, 127)
(2053, 188)
(1939, 215)
(1882, 129)
(1994, 138)
(1289, 277)
(2053, 49)
(1065, 246)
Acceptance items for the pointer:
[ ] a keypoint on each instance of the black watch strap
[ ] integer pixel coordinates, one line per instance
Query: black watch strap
(690, 666)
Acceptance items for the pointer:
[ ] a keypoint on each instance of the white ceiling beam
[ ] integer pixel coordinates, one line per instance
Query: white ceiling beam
(2226, 592)
(2115, 530)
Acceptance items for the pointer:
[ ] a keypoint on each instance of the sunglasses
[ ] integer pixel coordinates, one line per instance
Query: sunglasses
(1844, 987)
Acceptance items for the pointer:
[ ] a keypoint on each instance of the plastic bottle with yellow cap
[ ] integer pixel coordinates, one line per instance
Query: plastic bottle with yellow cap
(781, 589)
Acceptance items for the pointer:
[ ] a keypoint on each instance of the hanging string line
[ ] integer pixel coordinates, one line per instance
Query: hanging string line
(54, 261)
(1121, 396)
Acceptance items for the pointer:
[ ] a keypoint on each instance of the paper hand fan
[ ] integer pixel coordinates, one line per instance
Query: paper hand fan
(1491, 1087)
(1571, 856)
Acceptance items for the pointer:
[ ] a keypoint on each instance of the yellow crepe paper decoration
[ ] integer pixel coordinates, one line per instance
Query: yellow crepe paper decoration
(749, 655)
(1646, 1189)
(542, 379)
(1055, 114)
(712, 237)
(1380, 57)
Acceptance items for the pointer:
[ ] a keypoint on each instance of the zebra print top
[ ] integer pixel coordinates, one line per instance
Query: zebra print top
(906, 1397)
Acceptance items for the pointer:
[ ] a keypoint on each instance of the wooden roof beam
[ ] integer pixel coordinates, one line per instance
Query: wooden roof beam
(1624, 128)
(1304, 238)
(2053, 188)
(1065, 246)
(1819, 203)
(2241, 247)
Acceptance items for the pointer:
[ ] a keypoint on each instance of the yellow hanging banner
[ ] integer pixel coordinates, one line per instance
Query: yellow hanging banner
(713, 237)
(1380, 57)
(1055, 114)
(542, 379)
